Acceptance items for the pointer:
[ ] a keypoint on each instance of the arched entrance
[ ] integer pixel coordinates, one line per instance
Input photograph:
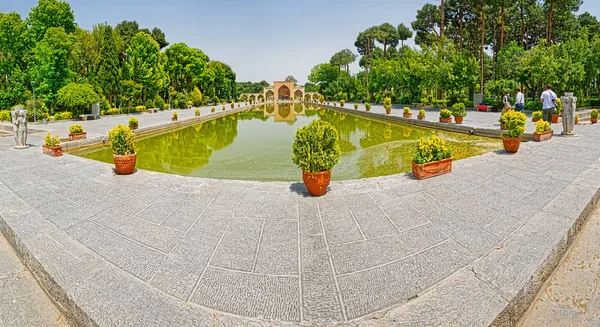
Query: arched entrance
(283, 92)
(270, 95)
(298, 95)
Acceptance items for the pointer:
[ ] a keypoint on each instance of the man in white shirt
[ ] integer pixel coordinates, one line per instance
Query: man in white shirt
(548, 100)
(519, 101)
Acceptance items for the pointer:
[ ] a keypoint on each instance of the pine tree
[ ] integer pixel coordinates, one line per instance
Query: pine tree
(109, 72)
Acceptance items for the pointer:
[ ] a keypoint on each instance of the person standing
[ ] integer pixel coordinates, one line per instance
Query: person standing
(506, 103)
(548, 100)
(519, 101)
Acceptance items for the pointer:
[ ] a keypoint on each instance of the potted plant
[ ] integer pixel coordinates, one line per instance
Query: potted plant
(335, 104)
(356, 106)
(432, 158)
(238, 105)
(316, 151)
(387, 104)
(406, 113)
(223, 108)
(197, 112)
(76, 132)
(536, 115)
(558, 111)
(232, 105)
(190, 104)
(342, 103)
(133, 123)
(515, 126)
(445, 116)
(421, 115)
(121, 141)
(577, 119)
(459, 111)
(594, 116)
(175, 116)
(52, 146)
(542, 131)
(212, 109)
(368, 106)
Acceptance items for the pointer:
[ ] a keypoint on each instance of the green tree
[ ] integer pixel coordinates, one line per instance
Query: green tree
(291, 78)
(84, 56)
(142, 64)
(12, 63)
(50, 64)
(159, 37)
(387, 35)
(77, 97)
(109, 72)
(404, 33)
(427, 24)
(48, 14)
(196, 97)
(184, 66)
(127, 30)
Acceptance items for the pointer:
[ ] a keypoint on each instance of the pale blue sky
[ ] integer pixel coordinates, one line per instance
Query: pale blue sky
(260, 39)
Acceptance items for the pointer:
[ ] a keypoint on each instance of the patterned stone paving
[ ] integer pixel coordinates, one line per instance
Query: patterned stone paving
(153, 249)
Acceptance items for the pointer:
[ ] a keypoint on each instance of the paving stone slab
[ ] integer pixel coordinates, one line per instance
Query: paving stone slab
(273, 297)
(372, 289)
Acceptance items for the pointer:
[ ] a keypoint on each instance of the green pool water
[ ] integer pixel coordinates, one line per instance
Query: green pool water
(257, 145)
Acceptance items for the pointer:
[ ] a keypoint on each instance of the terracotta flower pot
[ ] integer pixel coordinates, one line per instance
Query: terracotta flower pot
(511, 144)
(77, 136)
(593, 120)
(534, 119)
(458, 119)
(53, 151)
(316, 183)
(432, 169)
(388, 111)
(197, 115)
(133, 128)
(446, 120)
(173, 119)
(125, 164)
(540, 137)
(407, 115)
(555, 118)
(368, 109)
(421, 117)
(342, 105)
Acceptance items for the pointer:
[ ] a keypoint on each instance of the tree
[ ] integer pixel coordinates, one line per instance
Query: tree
(159, 37)
(77, 97)
(185, 66)
(48, 14)
(109, 73)
(127, 30)
(427, 24)
(404, 33)
(196, 97)
(49, 64)
(12, 61)
(343, 59)
(564, 9)
(84, 56)
(586, 20)
(142, 64)
(291, 78)
(386, 34)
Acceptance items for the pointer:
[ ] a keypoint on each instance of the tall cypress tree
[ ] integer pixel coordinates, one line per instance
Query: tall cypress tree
(109, 74)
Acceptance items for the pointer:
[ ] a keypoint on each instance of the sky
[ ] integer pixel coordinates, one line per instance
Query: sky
(260, 39)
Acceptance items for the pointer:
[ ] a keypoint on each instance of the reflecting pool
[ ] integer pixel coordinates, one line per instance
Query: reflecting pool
(257, 145)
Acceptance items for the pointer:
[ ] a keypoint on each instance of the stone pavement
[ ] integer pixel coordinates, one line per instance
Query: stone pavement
(572, 296)
(470, 248)
(22, 302)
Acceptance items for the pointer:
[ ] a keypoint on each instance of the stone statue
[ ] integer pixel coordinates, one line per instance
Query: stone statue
(569, 103)
(19, 121)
